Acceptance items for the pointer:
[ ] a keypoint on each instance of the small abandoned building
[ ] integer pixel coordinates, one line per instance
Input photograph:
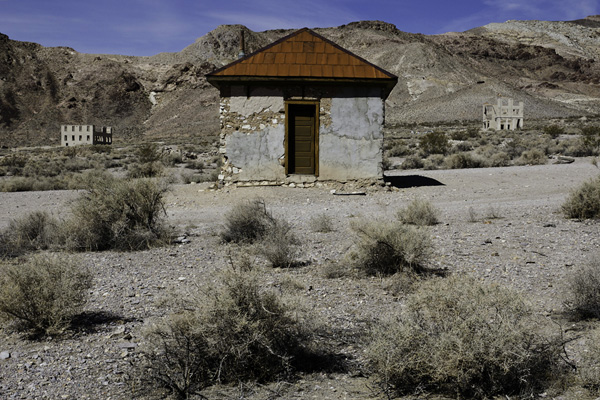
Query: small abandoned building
(504, 115)
(302, 109)
(75, 135)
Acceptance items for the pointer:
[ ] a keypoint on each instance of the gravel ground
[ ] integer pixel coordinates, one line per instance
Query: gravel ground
(501, 225)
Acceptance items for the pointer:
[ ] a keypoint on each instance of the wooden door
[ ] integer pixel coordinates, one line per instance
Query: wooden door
(301, 139)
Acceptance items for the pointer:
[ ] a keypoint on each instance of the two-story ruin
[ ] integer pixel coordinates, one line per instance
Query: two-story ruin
(302, 109)
(75, 135)
(504, 115)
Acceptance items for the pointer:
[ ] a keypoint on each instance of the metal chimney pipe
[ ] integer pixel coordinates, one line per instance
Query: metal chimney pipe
(242, 53)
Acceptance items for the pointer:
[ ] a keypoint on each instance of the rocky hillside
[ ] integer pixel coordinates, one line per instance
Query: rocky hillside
(551, 66)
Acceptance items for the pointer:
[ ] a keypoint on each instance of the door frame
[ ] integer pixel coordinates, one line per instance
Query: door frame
(289, 103)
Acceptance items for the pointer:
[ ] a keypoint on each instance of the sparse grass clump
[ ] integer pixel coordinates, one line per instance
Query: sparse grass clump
(387, 248)
(584, 202)
(584, 291)
(419, 212)
(237, 332)
(459, 337)
(589, 367)
(43, 293)
(117, 214)
(463, 160)
(322, 223)
(247, 222)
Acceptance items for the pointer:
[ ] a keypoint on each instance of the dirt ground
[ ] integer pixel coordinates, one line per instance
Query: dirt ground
(501, 225)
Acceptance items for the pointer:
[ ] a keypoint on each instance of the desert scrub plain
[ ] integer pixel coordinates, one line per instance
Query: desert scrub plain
(211, 315)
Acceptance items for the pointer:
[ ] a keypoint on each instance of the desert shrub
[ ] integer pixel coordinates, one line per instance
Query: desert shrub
(434, 161)
(321, 223)
(584, 291)
(148, 153)
(590, 138)
(117, 213)
(386, 164)
(419, 212)
(532, 157)
(464, 160)
(589, 367)
(387, 248)
(434, 143)
(399, 150)
(195, 164)
(412, 162)
(173, 159)
(44, 292)
(247, 222)
(35, 231)
(500, 159)
(554, 131)
(584, 202)
(470, 133)
(459, 337)
(234, 333)
(278, 245)
(145, 170)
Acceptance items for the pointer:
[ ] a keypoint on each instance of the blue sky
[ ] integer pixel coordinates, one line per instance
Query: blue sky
(147, 27)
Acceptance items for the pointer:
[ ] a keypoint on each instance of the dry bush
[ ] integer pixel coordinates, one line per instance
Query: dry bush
(234, 333)
(44, 292)
(589, 366)
(532, 157)
(321, 223)
(35, 231)
(590, 139)
(419, 212)
(434, 161)
(554, 131)
(499, 159)
(464, 160)
(117, 214)
(387, 248)
(247, 222)
(434, 143)
(412, 162)
(584, 202)
(584, 290)
(279, 245)
(459, 337)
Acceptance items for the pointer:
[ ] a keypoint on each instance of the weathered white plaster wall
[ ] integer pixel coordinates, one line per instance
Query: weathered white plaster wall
(257, 156)
(247, 106)
(350, 137)
(350, 146)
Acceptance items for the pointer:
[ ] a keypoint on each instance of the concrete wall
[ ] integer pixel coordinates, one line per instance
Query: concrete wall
(350, 134)
(75, 135)
(505, 115)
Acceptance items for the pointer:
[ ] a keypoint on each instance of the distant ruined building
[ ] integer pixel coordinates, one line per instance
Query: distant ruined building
(75, 135)
(505, 115)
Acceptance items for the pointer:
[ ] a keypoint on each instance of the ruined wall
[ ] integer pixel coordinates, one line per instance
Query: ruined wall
(252, 137)
(350, 134)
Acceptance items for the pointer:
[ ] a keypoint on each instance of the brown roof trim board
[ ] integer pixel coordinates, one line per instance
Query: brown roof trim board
(303, 56)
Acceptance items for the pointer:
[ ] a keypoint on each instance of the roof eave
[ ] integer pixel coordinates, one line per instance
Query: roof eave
(220, 80)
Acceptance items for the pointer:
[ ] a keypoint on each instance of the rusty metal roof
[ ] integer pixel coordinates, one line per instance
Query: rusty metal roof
(305, 55)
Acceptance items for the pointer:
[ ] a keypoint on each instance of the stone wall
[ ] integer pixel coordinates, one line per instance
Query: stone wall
(252, 137)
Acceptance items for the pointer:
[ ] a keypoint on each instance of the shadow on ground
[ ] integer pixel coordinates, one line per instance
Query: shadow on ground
(406, 181)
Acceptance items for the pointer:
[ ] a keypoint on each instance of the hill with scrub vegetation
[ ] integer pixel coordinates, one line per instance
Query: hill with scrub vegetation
(551, 66)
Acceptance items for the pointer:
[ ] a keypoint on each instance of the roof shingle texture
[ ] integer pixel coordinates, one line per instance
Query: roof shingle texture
(304, 54)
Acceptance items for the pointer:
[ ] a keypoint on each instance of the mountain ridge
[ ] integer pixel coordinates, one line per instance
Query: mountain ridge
(550, 65)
